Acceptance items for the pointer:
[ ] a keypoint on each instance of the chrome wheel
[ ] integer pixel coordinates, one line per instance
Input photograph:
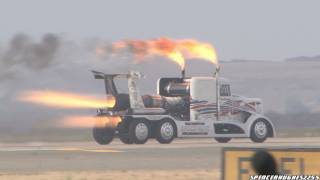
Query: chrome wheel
(141, 131)
(167, 130)
(260, 129)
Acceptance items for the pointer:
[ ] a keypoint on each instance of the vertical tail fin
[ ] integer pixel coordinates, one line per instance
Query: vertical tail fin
(108, 82)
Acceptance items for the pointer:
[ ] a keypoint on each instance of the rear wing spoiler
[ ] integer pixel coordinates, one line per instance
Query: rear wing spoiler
(101, 75)
(109, 79)
(134, 94)
(109, 84)
(131, 74)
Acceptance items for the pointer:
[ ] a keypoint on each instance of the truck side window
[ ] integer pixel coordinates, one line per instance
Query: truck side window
(225, 90)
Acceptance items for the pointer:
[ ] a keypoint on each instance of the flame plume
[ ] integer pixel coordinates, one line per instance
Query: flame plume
(89, 121)
(194, 49)
(66, 99)
(176, 50)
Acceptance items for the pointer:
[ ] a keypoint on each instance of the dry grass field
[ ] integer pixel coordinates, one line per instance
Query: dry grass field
(117, 175)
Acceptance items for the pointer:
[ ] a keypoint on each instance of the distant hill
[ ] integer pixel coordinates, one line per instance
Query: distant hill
(243, 61)
(291, 59)
(303, 58)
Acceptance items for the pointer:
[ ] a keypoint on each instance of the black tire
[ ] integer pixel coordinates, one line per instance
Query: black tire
(165, 131)
(222, 139)
(126, 140)
(103, 135)
(139, 131)
(260, 131)
(123, 133)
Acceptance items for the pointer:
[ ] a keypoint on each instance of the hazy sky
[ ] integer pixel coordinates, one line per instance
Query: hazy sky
(268, 30)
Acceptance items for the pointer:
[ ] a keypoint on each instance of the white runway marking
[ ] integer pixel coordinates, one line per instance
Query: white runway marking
(14, 149)
(117, 146)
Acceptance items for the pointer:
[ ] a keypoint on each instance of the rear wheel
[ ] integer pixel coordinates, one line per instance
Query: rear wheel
(103, 135)
(259, 131)
(139, 131)
(126, 140)
(165, 131)
(222, 139)
(123, 133)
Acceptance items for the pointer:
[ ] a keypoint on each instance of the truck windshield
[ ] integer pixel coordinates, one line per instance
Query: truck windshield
(225, 90)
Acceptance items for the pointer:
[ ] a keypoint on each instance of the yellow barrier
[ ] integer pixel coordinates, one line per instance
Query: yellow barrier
(236, 163)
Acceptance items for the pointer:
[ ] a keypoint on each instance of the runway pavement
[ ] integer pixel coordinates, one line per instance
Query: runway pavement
(88, 156)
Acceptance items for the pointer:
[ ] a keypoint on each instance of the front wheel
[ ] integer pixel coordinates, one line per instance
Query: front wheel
(259, 131)
(222, 139)
(165, 131)
(139, 131)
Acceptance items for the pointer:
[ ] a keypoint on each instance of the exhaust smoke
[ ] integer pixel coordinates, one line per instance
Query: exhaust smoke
(24, 52)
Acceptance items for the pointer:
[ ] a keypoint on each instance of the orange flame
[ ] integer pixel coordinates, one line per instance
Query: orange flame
(176, 50)
(194, 49)
(66, 99)
(90, 121)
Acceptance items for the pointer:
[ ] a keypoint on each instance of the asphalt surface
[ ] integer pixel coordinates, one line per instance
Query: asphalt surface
(85, 156)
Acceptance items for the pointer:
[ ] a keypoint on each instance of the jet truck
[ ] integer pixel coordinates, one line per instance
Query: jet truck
(184, 107)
